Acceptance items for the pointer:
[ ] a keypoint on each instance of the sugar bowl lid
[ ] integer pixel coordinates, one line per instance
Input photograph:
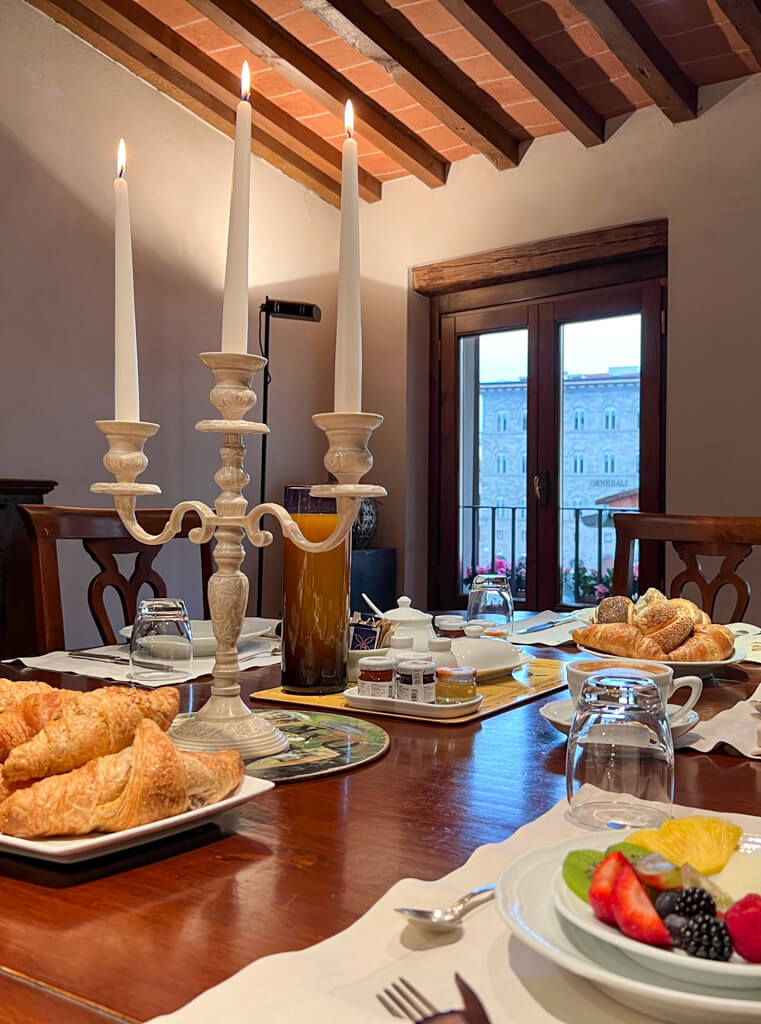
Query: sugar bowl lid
(404, 613)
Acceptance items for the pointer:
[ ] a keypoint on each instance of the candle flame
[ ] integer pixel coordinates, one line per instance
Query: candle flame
(349, 118)
(121, 159)
(245, 81)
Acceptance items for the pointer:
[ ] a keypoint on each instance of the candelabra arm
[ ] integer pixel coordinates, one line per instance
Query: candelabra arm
(125, 506)
(347, 513)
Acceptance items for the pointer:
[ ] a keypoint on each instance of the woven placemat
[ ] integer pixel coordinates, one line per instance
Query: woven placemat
(542, 675)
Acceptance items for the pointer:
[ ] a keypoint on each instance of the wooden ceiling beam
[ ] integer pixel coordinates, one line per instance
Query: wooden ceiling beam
(373, 38)
(745, 15)
(154, 35)
(109, 40)
(301, 66)
(515, 53)
(630, 38)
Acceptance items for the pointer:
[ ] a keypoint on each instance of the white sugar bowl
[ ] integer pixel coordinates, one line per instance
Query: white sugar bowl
(413, 622)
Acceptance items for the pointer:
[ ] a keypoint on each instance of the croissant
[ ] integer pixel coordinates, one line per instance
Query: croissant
(90, 725)
(619, 638)
(707, 643)
(12, 691)
(145, 782)
(665, 624)
(19, 724)
(698, 616)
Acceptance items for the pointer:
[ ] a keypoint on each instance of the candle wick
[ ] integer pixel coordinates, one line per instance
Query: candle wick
(121, 173)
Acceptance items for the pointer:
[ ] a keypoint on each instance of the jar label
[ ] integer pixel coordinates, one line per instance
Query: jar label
(384, 688)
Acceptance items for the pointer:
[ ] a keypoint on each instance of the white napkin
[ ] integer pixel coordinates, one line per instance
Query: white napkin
(738, 727)
(551, 637)
(59, 661)
(337, 979)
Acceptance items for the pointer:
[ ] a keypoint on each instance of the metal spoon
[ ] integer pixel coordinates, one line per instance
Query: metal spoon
(444, 918)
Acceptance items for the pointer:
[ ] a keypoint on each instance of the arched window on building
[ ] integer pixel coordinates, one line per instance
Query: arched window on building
(578, 463)
(609, 419)
(501, 422)
(501, 463)
(609, 463)
(578, 419)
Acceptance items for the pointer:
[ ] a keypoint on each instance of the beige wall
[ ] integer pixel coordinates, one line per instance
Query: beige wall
(63, 107)
(705, 177)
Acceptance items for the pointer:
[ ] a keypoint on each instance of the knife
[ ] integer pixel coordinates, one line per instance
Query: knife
(474, 1009)
(546, 625)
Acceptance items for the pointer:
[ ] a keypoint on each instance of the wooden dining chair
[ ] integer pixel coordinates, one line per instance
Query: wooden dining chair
(693, 538)
(103, 537)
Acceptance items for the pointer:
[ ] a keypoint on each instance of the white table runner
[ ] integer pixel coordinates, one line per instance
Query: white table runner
(336, 980)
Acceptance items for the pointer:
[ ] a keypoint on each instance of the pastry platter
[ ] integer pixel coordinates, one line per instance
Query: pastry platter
(78, 848)
(680, 668)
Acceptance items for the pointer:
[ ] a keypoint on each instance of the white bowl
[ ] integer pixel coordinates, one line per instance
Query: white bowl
(486, 654)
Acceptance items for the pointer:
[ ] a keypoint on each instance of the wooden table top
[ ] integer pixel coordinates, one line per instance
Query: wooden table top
(141, 933)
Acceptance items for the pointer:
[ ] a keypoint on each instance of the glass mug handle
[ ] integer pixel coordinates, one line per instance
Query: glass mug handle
(695, 684)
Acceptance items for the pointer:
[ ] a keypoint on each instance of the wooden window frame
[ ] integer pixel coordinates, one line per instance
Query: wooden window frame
(474, 294)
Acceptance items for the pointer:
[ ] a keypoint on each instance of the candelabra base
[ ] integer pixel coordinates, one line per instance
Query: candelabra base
(225, 723)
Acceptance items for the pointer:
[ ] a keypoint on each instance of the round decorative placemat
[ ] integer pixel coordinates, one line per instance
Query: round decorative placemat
(321, 744)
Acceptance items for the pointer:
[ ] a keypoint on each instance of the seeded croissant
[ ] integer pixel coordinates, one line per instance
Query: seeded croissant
(145, 782)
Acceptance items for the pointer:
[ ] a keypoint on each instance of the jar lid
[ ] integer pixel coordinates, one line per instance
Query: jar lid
(439, 643)
(457, 673)
(474, 630)
(401, 642)
(449, 620)
(484, 623)
(407, 667)
(376, 664)
(404, 613)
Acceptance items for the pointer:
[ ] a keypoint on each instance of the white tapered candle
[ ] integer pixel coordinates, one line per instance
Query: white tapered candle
(126, 387)
(348, 368)
(235, 302)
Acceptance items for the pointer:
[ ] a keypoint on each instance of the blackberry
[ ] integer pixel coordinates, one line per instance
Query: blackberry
(706, 937)
(665, 902)
(694, 901)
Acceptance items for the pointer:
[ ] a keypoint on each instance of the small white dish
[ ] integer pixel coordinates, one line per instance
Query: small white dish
(526, 902)
(494, 675)
(486, 654)
(392, 706)
(681, 668)
(76, 848)
(559, 713)
(204, 641)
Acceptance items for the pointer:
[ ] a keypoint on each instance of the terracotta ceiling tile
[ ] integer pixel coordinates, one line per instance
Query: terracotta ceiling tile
(298, 104)
(393, 98)
(667, 17)
(307, 27)
(329, 127)
(392, 175)
(458, 152)
(482, 69)
(709, 41)
(379, 163)
(530, 114)
(271, 83)
(723, 68)
(427, 17)
(561, 48)
(506, 90)
(457, 44)
(278, 8)
(338, 54)
(233, 60)
(440, 138)
(206, 36)
(171, 12)
(416, 117)
(587, 39)
(536, 20)
(552, 128)
(368, 75)
(607, 99)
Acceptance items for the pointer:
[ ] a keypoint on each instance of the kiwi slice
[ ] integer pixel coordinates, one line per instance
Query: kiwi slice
(631, 851)
(578, 869)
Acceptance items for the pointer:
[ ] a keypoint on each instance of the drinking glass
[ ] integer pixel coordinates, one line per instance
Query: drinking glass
(491, 598)
(161, 645)
(620, 754)
(315, 599)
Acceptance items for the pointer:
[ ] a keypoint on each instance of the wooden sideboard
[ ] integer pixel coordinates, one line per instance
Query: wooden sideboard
(17, 632)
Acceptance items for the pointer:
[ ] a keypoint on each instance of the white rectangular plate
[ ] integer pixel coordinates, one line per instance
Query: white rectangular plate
(68, 851)
(392, 706)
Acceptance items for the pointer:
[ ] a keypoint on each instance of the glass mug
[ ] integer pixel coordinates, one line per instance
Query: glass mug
(315, 599)
(620, 754)
(491, 598)
(161, 644)
(578, 672)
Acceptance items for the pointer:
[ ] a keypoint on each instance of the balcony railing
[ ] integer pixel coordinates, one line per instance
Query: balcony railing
(586, 569)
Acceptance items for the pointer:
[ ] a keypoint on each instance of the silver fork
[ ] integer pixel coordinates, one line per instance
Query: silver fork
(402, 1000)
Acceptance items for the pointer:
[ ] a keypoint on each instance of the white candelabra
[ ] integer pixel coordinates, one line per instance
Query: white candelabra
(225, 721)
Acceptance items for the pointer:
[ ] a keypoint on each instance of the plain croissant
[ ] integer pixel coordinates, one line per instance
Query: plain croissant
(19, 724)
(707, 643)
(12, 691)
(90, 725)
(620, 639)
(145, 782)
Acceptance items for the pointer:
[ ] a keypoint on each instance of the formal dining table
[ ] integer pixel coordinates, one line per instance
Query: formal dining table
(141, 932)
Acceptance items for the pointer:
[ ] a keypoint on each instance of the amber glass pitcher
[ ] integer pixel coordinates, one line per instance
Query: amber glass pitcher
(315, 599)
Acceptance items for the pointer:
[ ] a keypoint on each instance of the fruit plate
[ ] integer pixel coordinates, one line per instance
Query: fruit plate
(672, 963)
(75, 848)
(681, 668)
(526, 902)
(559, 713)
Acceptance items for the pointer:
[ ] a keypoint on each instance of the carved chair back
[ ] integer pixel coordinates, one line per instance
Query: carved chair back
(693, 538)
(103, 537)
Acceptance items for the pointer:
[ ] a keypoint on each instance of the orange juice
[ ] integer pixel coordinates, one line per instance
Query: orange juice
(315, 609)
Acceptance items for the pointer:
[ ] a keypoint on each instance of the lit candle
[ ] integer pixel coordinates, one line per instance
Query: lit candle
(126, 396)
(348, 373)
(235, 303)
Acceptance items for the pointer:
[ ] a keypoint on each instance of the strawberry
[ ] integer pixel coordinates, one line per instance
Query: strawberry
(744, 922)
(603, 880)
(634, 912)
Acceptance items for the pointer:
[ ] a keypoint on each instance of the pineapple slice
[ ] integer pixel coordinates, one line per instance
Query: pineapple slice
(707, 843)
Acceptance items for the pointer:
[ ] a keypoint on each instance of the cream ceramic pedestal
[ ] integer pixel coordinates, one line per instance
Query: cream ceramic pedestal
(225, 721)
